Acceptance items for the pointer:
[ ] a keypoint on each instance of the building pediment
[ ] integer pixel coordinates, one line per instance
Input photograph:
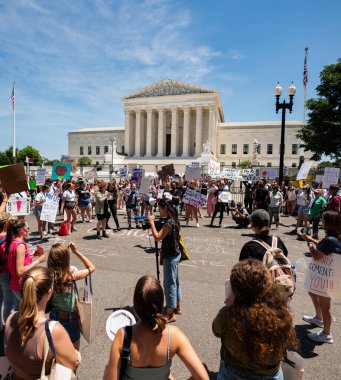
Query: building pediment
(168, 87)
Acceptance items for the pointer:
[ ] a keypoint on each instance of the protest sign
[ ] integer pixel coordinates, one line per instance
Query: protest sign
(50, 208)
(193, 198)
(123, 172)
(319, 178)
(304, 170)
(91, 174)
(18, 204)
(250, 174)
(225, 196)
(324, 276)
(13, 178)
(32, 184)
(192, 173)
(167, 170)
(195, 164)
(230, 173)
(40, 177)
(267, 172)
(61, 171)
(145, 184)
(213, 168)
(330, 177)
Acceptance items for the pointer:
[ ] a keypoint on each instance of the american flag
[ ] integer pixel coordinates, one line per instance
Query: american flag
(13, 98)
(305, 72)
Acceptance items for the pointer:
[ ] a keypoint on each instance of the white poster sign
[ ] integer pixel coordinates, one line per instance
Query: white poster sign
(304, 170)
(123, 172)
(250, 174)
(319, 178)
(50, 208)
(225, 196)
(330, 177)
(18, 204)
(40, 178)
(214, 168)
(192, 173)
(193, 198)
(324, 276)
(267, 172)
(91, 174)
(195, 164)
(145, 184)
(230, 173)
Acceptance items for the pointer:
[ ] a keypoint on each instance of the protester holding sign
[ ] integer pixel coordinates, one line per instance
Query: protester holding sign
(38, 206)
(69, 205)
(193, 200)
(102, 210)
(219, 205)
(330, 245)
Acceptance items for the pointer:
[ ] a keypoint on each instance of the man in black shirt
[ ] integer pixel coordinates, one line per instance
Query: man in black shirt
(262, 196)
(260, 222)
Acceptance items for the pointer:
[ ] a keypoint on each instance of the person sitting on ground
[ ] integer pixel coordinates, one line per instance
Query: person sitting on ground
(240, 216)
(154, 343)
(255, 326)
(25, 330)
(260, 224)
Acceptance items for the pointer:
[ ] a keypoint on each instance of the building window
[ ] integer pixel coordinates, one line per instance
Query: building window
(269, 149)
(246, 149)
(106, 149)
(234, 164)
(294, 165)
(97, 162)
(294, 149)
(222, 148)
(81, 151)
(234, 148)
(98, 150)
(269, 164)
(89, 150)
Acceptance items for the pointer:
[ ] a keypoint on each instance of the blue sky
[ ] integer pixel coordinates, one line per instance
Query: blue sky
(72, 61)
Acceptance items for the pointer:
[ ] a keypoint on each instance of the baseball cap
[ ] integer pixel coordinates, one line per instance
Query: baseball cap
(317, 191)
(259, 218)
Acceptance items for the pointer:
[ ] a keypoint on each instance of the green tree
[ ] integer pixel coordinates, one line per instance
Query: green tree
(29, 151)
(244, 164)
(4, 160)
(322, 133)
(9, 153)
(329, 164)
(84, 161)
(50, 162)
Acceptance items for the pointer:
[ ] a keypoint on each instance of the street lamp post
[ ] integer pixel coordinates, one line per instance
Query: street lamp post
(111, 167)
(283, 106)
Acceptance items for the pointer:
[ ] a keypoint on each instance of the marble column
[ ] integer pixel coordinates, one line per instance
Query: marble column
(127, 135)
(212, 128)
(185, 141)
(138, 134)
(160, 133)
(149, 133)
(198, 131)
(174, 132)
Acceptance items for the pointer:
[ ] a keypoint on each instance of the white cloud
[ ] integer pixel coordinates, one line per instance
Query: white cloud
(236, 55)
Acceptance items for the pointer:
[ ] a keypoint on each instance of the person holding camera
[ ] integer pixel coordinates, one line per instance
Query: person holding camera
(170, 253)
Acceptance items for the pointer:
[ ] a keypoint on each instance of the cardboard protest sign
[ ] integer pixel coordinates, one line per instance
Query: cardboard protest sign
(330, 177)
(269, 173)
(18, 204)
(145, 184)
(192, 173)
(230, 173)
(123, 172)
(91, 174)
(13, 178)
(213, 168)
(225, 196)
(304, 171)
(250, 174)
(40, 177)
(61, 171)
(50, 208)
(167, 170)
(193, 198)
(324, 276)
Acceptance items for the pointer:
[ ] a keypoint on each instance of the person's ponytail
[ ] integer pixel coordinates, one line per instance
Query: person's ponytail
(13, 228)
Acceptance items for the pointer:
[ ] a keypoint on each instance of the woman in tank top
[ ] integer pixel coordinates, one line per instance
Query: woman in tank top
(154, 342)
(25, 330)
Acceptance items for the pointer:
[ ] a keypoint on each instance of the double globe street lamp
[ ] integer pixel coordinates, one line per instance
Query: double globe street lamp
(283, 106)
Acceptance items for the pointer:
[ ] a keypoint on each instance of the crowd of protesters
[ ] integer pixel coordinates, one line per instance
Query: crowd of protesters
(249, 348)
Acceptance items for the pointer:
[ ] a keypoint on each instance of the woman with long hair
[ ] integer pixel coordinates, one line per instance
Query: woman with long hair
(102, 209)
(19, 257)
(38, 206)
(112, 201)
(170, 251)
(192, 210)
(64, 300)
(69, 205)
(25, 330)
(255, 326)
(153, 342)
(331, 223)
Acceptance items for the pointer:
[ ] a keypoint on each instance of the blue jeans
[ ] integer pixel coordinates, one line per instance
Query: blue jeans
(7, 298)
(70, 324)
(171, 284)
(227, 372)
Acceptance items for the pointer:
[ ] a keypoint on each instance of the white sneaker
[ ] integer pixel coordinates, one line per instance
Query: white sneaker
(321, 337)
(198, 225)
(313, 320)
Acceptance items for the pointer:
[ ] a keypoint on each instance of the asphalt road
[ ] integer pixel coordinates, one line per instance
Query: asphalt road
(127, 255)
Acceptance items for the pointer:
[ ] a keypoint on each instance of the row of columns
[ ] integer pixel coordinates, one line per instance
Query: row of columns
(136, 145)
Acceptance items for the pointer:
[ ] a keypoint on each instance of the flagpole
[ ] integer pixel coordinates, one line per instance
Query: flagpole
(14, 142)
(305, 86)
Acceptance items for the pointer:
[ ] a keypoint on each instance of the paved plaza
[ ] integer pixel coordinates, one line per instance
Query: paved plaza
(129, 254)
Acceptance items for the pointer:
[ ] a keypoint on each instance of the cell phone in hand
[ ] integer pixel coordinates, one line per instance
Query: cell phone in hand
(40, 250)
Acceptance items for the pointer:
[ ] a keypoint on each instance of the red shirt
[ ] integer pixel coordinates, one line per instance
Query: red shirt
(334, 203)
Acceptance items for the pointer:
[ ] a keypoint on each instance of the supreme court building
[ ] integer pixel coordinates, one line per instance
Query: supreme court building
(174, 122)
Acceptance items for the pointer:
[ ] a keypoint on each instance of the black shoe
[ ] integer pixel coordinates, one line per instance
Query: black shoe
(98, 236)
(293, 232)
(129, 227)
(104, 234)
(118, 229)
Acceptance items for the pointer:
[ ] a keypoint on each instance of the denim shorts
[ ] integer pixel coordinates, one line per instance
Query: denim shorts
(226, 372)
(71, 324)
(303, 210)
(84, 203)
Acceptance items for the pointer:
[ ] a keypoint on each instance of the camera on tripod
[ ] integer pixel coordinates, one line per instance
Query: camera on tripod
(159, 222)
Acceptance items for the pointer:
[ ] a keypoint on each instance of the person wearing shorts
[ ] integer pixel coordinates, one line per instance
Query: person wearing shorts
(84, 201)
(69, 205)
(102, 209)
